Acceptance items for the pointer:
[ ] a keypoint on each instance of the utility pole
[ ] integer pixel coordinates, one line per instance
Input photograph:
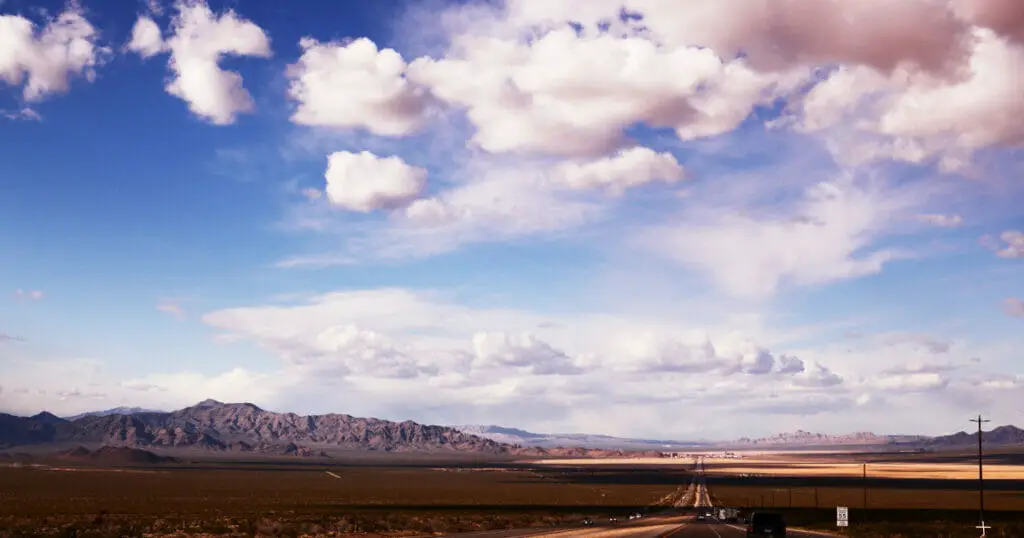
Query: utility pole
(864, 484)
(981, 475)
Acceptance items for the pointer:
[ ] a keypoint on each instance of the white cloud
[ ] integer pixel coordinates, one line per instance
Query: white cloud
(25, 114)
(909, 382)
(312, 194)
(28, 295)
(915, 116)
(825, 237)
(942, 221)
(626, 169)
(171, 307)
(46, 60)
(365, 182)
(773, 35)
(365, 326)
(400, 354)
(199, 40)
(355, 85)
(1014, 244)
(1002, 16)
(526, 351)
(146, 38)
(818, 376)
(569, 95)
(1013, 307)
(496, 203)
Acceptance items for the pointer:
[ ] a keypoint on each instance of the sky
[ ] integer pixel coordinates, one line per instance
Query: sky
(651, 218)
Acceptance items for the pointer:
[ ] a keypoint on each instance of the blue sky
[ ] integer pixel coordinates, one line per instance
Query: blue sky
(556, 238)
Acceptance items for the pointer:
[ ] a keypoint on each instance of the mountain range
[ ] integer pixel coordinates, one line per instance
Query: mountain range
(515, 436)
(243, 427)
(803, 438)
(123, 410)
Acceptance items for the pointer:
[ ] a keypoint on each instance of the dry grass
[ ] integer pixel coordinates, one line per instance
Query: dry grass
(293, 500)
(779, 496)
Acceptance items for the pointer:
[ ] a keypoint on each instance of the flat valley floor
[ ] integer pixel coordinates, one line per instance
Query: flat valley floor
(419, 498)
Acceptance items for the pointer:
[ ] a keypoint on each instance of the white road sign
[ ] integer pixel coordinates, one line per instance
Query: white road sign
(842, 516)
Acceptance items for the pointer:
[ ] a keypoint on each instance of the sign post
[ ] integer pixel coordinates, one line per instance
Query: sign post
(842, 516)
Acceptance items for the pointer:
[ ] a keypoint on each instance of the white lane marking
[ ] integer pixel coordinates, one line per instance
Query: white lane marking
(332, 474)
(794, 531)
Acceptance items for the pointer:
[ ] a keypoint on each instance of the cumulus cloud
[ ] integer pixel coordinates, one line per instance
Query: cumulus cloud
(146, 38)
(1014, 244)
(626, 169)
(570, 95)
(818, 376)
(355, 85)
(1013, 307)
(45, 60)
(916, 117)
(774, 35)
(388, 327)
(365, 182)
(1004, 17)
(377, 352)
(198, 40)
(526, 351)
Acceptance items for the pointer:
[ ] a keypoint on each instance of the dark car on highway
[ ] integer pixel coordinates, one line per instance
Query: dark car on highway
(588, 521)
(766, 524)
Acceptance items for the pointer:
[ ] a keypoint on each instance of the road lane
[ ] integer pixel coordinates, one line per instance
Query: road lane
(650, 527)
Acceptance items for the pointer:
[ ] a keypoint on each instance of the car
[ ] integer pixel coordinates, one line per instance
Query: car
(766, 524)
(588, 522)
(701, 516)
(613, 519)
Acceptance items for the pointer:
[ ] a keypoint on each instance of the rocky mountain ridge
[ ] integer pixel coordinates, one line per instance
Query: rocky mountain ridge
(999, 436)
(122, 410)
(242, 427)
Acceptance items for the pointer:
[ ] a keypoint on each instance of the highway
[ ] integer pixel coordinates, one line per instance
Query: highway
(675, 522)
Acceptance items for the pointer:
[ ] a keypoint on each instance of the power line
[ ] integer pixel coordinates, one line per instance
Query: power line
(981, 474)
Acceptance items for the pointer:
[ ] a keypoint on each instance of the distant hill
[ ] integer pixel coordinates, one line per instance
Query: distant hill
(514, 436)
(803, 438)
(114, 455)
(243, 427)
(123, 410)
(1000, 436)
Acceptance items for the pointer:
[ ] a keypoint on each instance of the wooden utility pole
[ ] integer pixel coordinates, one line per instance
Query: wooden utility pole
(864, 482)
(981, 475)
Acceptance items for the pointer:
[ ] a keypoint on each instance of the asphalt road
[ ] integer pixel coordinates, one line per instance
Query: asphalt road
(653, 527)
(677, 525)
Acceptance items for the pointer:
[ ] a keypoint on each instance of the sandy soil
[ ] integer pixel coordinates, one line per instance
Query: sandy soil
(792, 466)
